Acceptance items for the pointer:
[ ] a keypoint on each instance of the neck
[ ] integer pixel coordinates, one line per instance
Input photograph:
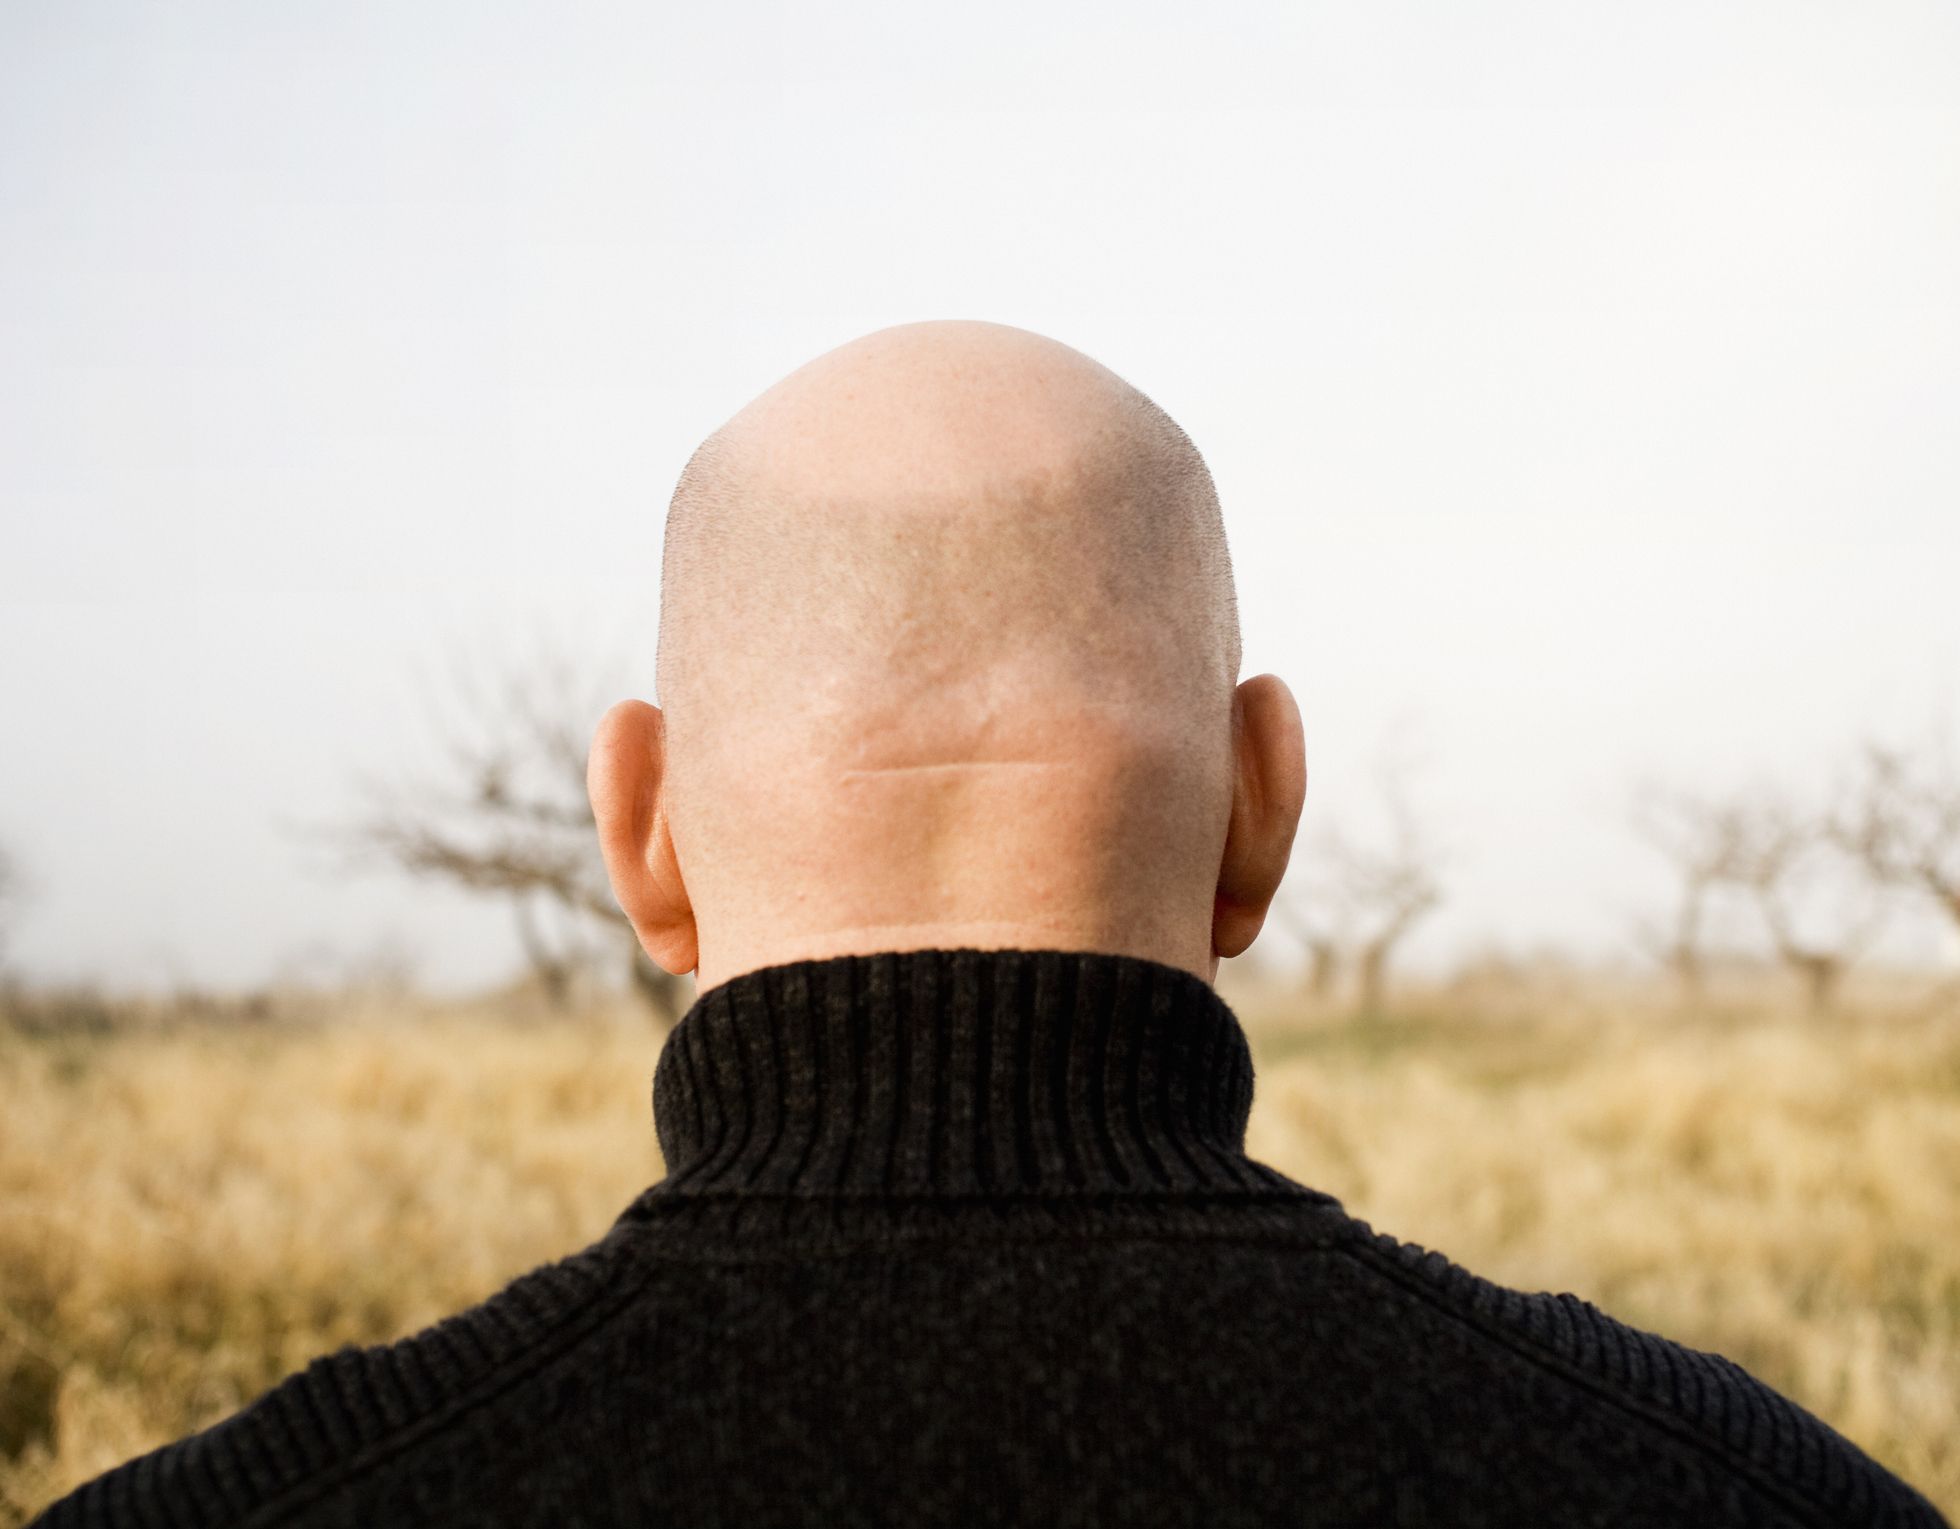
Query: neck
(1047, 845)
(1186, 950)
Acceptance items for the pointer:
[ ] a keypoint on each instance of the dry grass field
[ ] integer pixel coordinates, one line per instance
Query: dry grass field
(192, 1212)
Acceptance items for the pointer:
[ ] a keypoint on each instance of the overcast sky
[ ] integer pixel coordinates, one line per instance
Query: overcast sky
(1581, 384)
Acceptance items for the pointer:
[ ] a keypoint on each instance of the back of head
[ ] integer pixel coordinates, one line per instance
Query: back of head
(948, 654)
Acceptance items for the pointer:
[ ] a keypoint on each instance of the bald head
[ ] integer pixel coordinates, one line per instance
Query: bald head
(948, 655)
(955, 489)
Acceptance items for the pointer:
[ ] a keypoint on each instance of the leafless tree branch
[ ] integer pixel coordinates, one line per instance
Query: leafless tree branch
(506, 815)
(1366, 897)
(1903, 823)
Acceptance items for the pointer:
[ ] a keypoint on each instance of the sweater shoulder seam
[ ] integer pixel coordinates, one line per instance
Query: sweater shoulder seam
(529, 1340)
(1670, 1423)
(513, 1369)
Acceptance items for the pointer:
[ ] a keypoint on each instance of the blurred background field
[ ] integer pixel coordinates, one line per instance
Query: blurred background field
(201, 1197)
(1579, 387)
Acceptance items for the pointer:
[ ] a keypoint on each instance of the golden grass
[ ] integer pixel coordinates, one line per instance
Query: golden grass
(190, 1216)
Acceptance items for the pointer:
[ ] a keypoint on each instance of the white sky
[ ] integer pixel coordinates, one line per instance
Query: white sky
(1581, 383)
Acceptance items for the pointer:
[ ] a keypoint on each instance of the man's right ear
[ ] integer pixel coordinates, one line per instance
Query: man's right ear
(624, 776)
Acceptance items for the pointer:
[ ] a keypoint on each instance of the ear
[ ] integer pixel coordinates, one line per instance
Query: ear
(1269, 787)
(624, 776)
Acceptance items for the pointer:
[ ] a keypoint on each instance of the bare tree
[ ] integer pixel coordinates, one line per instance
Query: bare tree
(507, 817)
(1398, 890)
(1816, 907)
(1318, 937)
(1820, 909)
(1705, 842)
(1367, 896)
(1903, 823)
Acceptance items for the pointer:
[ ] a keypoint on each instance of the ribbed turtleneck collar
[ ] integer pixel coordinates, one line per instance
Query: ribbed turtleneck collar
(958, 1073)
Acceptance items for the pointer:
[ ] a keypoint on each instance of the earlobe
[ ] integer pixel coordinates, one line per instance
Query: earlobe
(1268, 793)
(624, 777)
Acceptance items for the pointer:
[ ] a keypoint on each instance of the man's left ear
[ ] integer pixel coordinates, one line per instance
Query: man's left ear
(624, 776)
(1269, 788)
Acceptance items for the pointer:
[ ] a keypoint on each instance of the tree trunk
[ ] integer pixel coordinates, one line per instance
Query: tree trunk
(1373, 971)
(1323, 967)
(1821, 974)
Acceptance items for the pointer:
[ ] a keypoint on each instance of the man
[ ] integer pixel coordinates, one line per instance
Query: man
(953, 806)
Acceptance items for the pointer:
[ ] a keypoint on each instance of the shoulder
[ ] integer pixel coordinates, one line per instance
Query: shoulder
(1701, 1398)
(357, 1405)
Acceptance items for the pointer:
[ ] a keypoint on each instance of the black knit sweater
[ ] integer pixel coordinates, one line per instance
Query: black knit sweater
(970, 1237)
